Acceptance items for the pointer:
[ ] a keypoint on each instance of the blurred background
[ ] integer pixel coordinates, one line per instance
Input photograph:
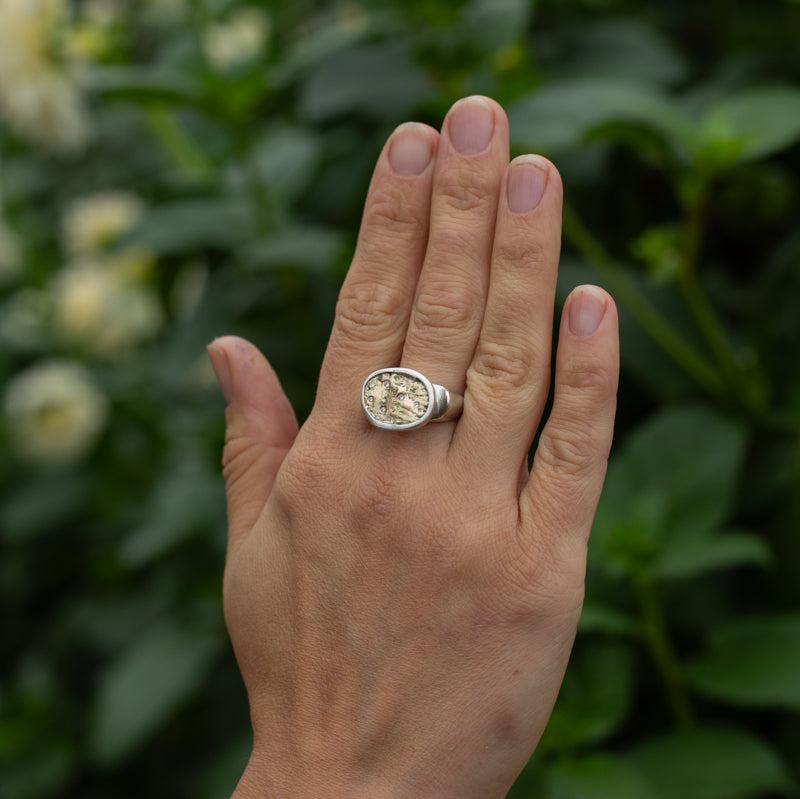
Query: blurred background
(171, 170)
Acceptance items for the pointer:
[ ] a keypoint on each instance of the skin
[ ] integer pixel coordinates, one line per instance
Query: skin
(402, 605)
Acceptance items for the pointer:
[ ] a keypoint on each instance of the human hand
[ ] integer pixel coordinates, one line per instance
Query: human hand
(402, 605)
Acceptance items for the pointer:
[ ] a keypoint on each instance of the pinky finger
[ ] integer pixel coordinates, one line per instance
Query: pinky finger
(570, 461)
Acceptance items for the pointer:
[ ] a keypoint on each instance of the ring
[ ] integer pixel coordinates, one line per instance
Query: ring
(404, 399)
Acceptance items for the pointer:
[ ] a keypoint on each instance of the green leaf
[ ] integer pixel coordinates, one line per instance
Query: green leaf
(285, 157)
(43, 504)
(594, 698)
(754, 662)
(690, 555)
(188, 225)
(378, 79)
(563, 114)
(599, 776)
(598, 618)
(752, 124)
(711, 763)
(311, 248)
(621, 47)
(145, 686)
(493, 24)
(140, 84)
(186, 500)
(674, 477)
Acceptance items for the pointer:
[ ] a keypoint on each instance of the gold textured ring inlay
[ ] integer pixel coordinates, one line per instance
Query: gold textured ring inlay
(404, 399)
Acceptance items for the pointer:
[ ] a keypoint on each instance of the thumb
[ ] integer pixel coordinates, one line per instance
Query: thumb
(260, 429)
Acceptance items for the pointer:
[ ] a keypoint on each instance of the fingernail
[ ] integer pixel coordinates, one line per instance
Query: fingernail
(411, 149)
(527, 179)
(222, 369)
(587, 308)
(471, 125)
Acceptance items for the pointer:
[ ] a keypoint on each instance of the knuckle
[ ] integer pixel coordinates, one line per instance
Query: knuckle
(367, 310)
(589, 379)
(504, 365)
(539, 580)
(520, 251)
(464, 190)
(390, 213)
(308, 474)
(239, 454)
(568, 449)
(442, 306)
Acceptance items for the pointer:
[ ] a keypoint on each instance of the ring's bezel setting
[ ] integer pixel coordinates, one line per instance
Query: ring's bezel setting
(421, 421)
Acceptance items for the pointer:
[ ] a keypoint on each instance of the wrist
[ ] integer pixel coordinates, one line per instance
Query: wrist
(269, 779)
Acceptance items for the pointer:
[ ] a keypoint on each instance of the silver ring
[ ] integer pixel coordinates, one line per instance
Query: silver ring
(404, 399)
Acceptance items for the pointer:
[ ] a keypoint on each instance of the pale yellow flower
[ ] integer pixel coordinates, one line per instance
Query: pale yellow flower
(54, 412)
(39, 95)
(237, 39)
(93, 222)
(98, 307)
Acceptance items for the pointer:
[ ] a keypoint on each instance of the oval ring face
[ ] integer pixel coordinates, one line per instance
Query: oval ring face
(397, 399)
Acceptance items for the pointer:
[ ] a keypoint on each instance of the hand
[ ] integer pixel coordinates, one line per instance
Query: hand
(402, 604)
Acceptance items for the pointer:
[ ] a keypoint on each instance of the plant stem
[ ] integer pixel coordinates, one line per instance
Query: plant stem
(642, 310)
(702, 310)
(189, 158)
(659, 643)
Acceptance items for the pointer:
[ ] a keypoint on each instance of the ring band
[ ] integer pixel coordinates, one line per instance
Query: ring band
(404, 399)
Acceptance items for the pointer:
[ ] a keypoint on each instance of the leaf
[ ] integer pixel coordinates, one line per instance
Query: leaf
(187, 225)
(562, 114)
(42, 504)
(754, 662)
(312, 248)
(675, 476)
(711, 763)
(285, 157)
(144, 687)
(598, 776)
(139, 84)
(597, 618)
(691, 555)
(594, 698)
(493, 24)
(186, 500)
(753, 123)
(381, 80)
(620, 48)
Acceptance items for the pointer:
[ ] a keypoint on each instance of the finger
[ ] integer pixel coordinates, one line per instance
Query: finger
(571, 457)
(260, 429)
(509, 377)
(375, 299)
(446, 318)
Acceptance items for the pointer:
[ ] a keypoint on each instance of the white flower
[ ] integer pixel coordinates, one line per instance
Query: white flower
(54, 412)
(10, 255)
(98, 306)
(97, 220)
(237, 39)
(39, 96)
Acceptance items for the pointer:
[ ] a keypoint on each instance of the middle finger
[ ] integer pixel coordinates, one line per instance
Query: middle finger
(448, 307)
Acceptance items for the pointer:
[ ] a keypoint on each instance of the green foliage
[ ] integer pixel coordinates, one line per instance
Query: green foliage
(710, 763)
(201, 172)
(753, 662)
